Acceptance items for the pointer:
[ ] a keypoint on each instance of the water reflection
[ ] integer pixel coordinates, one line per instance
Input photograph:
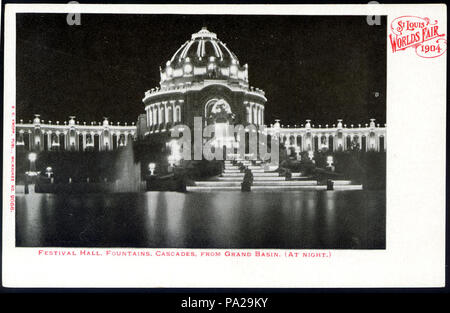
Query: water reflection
(291, 219)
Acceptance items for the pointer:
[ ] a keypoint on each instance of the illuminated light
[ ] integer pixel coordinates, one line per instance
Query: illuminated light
(233, 69)
(151, 168)
(329, 160)
(188, 68)
(169, 71)
(32, 173)
(48, 171)
(32, 156)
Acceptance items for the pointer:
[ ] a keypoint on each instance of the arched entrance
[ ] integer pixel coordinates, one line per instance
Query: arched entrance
(218, 113)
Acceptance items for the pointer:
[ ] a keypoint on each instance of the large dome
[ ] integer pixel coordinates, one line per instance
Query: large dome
(203, 57)
(203, 45)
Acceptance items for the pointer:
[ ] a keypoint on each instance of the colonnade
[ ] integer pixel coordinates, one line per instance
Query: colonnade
(39, 136)
(371, 137)
(164, 112)
(254, 113)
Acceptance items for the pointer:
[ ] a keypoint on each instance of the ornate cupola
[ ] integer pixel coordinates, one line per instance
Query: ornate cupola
(203, 57)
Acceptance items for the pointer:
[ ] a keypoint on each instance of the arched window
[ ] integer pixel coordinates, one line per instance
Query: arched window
(316, 143)
(299, 141)
(323, 142)
(19, 139)
(37, 140)
(89, 141)
(80, 142)
(292, 140)
(96, 142)
(355, 143)
(121, 140)
(114, 141)
(348, 142)
(269, 143)
(46, 143)
(62, 141)
(381, 144)
(72, 139)
(331, 143)
(106, 140)
(26, 139)
(363, 143)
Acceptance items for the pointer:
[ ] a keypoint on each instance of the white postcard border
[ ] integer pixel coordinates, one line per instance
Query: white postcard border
(416, 161)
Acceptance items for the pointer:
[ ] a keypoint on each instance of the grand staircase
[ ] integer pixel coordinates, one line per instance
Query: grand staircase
(263, 178)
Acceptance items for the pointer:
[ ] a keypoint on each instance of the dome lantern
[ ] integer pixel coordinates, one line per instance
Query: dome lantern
(204, 55)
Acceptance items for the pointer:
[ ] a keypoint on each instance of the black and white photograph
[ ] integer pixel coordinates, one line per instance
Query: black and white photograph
(98, 165)
(224, 146)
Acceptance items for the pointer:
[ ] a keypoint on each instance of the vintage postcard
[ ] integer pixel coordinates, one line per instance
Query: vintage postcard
(224, 145)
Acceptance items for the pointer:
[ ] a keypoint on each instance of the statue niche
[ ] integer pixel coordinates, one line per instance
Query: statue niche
(218, 111)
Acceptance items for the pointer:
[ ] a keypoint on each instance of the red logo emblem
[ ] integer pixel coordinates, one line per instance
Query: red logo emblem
(420, 33)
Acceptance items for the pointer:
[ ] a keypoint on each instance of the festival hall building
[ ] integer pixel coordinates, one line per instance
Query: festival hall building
(202, 79)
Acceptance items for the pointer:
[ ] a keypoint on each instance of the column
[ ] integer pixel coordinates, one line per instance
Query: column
(150, 114)
(378, 143)
(259, 114)
(335, 142)
(174, 112)
(160, 115)
(262, 116)
(166, 114)
(49, 140)
(288, 144)
(77, 141)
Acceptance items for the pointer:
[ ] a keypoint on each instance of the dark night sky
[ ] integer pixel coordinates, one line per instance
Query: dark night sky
(316, 67)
